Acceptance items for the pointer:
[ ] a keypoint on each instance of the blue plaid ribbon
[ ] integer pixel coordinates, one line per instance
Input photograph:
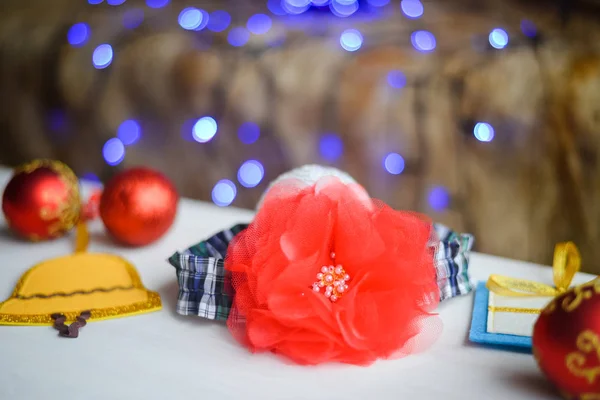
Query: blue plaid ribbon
(205, 286)
(452, 262)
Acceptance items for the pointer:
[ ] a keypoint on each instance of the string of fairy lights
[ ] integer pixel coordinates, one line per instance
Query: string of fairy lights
(331, 147)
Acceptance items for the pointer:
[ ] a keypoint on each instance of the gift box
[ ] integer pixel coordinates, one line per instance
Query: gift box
(514, 315)
(506, 333)
(506, 308)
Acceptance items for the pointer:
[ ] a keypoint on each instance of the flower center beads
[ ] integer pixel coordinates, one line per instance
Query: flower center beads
(332, 281)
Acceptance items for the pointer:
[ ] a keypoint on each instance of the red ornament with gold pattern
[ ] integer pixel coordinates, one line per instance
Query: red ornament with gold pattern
(42, 201)
(566, 342)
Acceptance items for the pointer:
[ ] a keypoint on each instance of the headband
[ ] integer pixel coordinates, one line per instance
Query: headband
(324, 273)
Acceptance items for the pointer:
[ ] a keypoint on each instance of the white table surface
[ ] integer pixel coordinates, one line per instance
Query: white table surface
(163, 355)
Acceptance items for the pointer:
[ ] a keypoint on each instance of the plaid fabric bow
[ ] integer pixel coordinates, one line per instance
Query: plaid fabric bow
(205, 287)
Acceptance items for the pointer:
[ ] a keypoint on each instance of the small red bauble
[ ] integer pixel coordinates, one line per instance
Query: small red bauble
(138, 206)
(566, 342)
(41, 201)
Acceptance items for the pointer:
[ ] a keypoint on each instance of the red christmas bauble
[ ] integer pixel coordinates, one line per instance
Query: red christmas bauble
(566, 341)
(41, 201)
(138, 206)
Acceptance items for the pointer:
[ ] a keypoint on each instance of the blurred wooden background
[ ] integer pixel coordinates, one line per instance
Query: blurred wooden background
(536, 183)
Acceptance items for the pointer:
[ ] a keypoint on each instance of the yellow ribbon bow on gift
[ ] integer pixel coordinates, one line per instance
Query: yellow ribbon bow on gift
(567, 262)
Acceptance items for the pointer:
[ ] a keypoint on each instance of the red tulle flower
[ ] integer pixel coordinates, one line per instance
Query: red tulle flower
(325, 274)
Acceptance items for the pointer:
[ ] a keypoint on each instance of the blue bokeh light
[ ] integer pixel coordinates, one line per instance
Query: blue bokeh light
(115, 2)
(528, 28)
(157, 3)
(133, 18)
(351, 40)
(113, 151)
(129, 132)
(343, 10)
(251, 173)
(238, 37)
(78, 34)
(296, 3)
(483, 132)
(378, 3)
(438, 198)
(57, 120)
(331, 147)
(259, 24)
(412, 8)
(224, 193)
(248, 132)
(393, 163)
(320, 3)
(498, 38)
(102, 56)
(219, 21)
(58, 125)
(423, 41)
(275, 7)
(204, 21)
(204, 129)
(91, 177)
(293, 9)
(94, 2)
(190, 18)
(396, 79)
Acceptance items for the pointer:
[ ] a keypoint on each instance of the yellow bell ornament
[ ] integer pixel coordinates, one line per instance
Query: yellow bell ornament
(76, 288)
